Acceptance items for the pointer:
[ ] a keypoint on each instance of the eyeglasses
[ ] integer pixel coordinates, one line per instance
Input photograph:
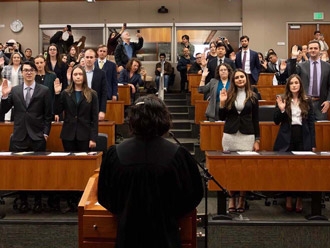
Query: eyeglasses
(223, 70)
(28, 70)
(52, 49)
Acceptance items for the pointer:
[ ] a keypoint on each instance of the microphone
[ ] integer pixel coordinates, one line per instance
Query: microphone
(173, 137)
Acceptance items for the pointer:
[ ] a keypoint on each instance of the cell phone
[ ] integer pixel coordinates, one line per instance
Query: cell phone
(138, 31)
(83, 50)
(125, 25)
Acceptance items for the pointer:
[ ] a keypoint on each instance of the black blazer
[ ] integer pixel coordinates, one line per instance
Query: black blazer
(282, 142)
(80, 119)
(99, 84)
(212, 65)
(34, 120)
(247, 122)
(110, 70)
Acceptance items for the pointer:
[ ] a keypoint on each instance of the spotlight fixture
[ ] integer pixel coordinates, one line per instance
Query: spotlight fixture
(90, 1)
(162, 10)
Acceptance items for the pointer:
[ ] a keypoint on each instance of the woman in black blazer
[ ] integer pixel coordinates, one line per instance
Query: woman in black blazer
(239, 109)
(294, 111)
(80, 106)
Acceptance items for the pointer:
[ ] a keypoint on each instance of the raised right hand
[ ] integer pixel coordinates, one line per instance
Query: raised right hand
(223, 96)
(57, 86)
(6, 89)
(294, 52)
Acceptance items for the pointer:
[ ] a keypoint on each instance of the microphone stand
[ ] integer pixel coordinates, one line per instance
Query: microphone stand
(207, 176)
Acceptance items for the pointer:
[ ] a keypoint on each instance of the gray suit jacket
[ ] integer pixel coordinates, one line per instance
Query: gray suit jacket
(212, 110)
(34, 120)
(303, 70)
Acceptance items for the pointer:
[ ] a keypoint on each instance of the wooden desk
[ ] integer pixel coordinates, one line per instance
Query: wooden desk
(41, 172)
(193, 80)
(54, 142)
(98, 227)
(124, 94)
(195, 95)
(201, 105)
(265, 79)
(211, 136)
(269, 92)
(115, 111)
(270, 171)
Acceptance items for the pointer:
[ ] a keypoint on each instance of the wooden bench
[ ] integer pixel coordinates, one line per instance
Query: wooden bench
(115, 111)
(270, 171)
(265, 79)
(211, 136)
(124, 94)
(193, 80)
(269, 93)
(54, 142)
(201, 105)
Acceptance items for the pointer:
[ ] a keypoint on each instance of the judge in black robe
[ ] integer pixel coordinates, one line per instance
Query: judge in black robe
(148, 182)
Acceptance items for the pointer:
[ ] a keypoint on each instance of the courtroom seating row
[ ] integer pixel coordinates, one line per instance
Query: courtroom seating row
(211, 135)
(54, 142)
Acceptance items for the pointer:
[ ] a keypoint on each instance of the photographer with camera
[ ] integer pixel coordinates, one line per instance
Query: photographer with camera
(225, 41)
(63, 39)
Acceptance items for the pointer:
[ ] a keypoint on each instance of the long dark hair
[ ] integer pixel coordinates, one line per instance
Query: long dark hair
(302, 97)
(232, 91)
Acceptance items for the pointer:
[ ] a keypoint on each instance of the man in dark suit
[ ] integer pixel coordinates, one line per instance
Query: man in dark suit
(110, 70)
(221, 58)
(248, 60)
(32, 115)
(127, 50)
(96, 80)
(321, 77)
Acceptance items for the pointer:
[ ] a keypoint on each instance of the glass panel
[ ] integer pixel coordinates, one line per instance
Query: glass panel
(94, 37)
(156, 40)
(200, 37)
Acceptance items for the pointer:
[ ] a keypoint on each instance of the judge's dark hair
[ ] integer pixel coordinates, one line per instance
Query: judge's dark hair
(149, 117)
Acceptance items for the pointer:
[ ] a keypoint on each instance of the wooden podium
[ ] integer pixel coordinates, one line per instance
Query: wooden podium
(98, 227)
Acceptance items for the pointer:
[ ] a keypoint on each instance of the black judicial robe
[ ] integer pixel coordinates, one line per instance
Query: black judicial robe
(148, 184)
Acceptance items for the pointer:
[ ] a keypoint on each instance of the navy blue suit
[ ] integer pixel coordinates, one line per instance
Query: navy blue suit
(212, 65)
(254, 65)
(110, 70)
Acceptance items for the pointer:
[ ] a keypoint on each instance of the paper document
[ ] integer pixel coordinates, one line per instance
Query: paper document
(303, 153)
(80, 153)
(247, 153)
(23, 153)
(5, 153)
(59, 154)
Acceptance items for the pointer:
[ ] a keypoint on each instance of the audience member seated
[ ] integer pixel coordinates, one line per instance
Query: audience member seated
(167, 71)
(196, 67)
(212, 89)
(131, 77)
(278, 67)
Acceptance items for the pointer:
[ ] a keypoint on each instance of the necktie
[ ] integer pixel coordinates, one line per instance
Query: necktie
(243, 61)
(220, 62)
(101, 64)
(27, 96)
(314, 89)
